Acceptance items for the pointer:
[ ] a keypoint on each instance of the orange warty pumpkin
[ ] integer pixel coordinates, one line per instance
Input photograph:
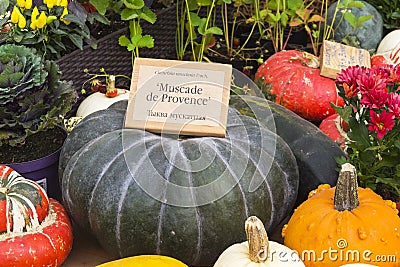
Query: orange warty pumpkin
(345, 224)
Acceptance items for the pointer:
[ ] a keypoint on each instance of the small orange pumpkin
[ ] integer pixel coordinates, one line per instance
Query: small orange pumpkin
(345, 224)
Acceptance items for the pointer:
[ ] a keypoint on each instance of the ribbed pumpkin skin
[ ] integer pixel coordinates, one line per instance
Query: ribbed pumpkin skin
(297, 87)
(314, 151)
(34, 230)
(20, 197)
(106, 199)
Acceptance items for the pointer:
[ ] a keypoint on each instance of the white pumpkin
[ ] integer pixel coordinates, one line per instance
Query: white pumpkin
(389, 47)
(98, 101)
(258, 251)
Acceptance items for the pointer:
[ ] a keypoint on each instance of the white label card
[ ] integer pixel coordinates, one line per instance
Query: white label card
(179, 97)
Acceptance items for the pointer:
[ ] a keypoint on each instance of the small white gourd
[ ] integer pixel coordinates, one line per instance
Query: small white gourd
(257, 251)
(98, 101)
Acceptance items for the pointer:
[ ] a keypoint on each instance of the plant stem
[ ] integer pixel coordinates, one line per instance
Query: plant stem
(204, 37)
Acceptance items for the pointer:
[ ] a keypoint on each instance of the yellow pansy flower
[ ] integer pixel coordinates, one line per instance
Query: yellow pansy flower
(65, 12)
(21, 3)
(63, 3)
(35, 13)
(28, 4)
(15, 15)
(33, 25)
(21, 21)
(41, 22)
(50, 3)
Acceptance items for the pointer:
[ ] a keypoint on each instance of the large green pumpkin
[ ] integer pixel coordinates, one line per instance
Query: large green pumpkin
(315, 152)
(367, 36)
(143, 193)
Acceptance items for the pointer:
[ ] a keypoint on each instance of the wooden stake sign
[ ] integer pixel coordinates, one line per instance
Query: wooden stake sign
(179, 97)
(335, 57)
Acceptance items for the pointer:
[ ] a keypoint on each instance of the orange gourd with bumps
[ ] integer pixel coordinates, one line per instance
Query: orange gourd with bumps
(345, 224)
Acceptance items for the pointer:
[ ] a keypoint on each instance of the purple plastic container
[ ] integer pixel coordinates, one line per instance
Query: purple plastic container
(44, 171)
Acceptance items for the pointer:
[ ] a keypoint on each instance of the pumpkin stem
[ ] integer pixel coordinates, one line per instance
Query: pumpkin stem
(346, 192)
(307, 59)
(258, 240)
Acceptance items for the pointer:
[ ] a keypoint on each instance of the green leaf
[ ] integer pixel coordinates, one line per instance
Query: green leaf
(76, 40)
(194, 19)
(273, 4)
(274, 18)
(100, 18)
(59, 43)
(295, 4)
(204, 2)
(344, 112)
(3, 21)
(123, 41)
(351, 19)
(129, 14)
(148, 15)
(284, 19)
(359, 133)
(362, 19)
(135, 39)
(100, 5)
(355, 4)
(134, 4)
(202, 26)
(190, 32)
(59, 32)
(214, 30)
(192, 4)
(146, 41)
(3, 6)
(73, 19)
(131, 47)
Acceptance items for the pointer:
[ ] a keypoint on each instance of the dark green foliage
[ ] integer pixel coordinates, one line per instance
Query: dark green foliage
(32, 97)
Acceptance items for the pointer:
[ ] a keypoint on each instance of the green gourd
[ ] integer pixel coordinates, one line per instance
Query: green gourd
(367, 36)
(315, 152)
(114, 184)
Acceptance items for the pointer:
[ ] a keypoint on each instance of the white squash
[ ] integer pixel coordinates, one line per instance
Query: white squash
(258, 251)
(98, 101)
(389, 47)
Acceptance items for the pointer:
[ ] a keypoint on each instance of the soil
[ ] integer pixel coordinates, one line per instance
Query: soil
(36, 146)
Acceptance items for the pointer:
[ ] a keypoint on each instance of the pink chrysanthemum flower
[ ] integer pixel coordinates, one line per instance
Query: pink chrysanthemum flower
(381, 123)
(375, 98)
(394, 104)
(393, 73)
(372, 79)
(350, 75)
